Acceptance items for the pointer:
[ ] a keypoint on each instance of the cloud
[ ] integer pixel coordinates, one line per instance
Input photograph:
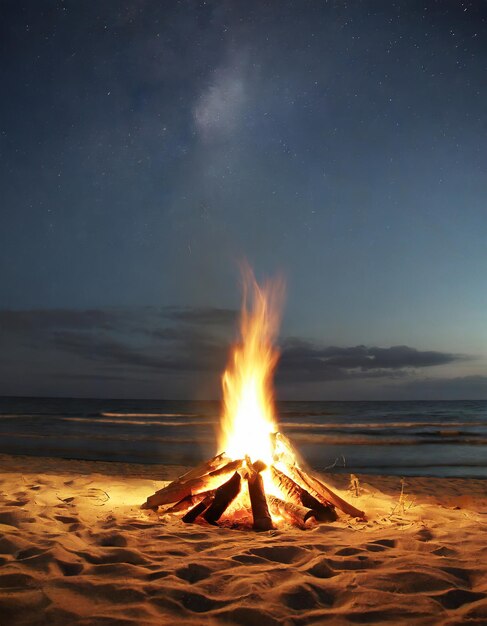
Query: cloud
(112, 319)
(303, 360)
(188, 354)
(38, 319)
(202, 315)
(189, 343)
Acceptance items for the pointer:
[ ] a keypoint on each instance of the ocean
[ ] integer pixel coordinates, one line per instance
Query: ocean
(399, 438)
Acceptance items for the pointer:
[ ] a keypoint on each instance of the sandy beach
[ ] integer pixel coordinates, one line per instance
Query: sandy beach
(75, 548)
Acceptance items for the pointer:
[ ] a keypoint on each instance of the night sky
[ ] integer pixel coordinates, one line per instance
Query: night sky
(147, 147)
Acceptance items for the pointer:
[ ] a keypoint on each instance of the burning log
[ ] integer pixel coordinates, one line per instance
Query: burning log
(260, 510)
(178, 489)
(300, 497)
(200, 508)
(323, 512)
(204, 468)
(325, 493)
(188, 502)
(224, 496)
(285, 453)
(292, 490)
(293, 513)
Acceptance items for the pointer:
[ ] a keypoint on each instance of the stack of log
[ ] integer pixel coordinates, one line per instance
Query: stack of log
(218, 486)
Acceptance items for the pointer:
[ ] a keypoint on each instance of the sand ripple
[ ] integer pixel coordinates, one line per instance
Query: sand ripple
(76, 549)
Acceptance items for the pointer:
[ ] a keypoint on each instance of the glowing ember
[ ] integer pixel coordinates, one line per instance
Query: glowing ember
(248, 420)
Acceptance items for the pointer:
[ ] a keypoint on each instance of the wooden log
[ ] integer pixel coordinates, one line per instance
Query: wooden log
(293, 513)
(285, 453)
(297, 476)
(258, 502)
(224, 496)
(323, 512)
(184, 504)
(188, 502)
(325, 494)
(301, 497)
(288, 486)
(197, 510)
(178, 490)
(204, 468)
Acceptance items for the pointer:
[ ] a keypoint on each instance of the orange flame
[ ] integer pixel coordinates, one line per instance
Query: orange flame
(248, 417)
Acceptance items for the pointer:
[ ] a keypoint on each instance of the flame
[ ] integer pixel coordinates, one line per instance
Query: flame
(248, 400)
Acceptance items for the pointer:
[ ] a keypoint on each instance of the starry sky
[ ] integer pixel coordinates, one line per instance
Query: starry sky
(147, 147)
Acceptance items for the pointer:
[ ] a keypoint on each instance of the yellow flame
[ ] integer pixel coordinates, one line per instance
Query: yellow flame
(248, 416)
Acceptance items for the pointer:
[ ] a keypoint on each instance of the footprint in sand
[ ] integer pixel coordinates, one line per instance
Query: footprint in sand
(66, 519)
(196, 602)
(444, 551)
(281, 554)
(69, 568)
(321, 569)
(17, 581)
(247, 616)
(424, 534)
(348, 551)
(388, 543)
(111, 539)
(455, 598)
(302, 597)
(19, 502)
(193, 572)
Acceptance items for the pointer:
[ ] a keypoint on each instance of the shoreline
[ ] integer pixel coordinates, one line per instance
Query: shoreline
(76, 548)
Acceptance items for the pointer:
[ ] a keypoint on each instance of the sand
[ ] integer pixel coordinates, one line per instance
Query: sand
(75, 548)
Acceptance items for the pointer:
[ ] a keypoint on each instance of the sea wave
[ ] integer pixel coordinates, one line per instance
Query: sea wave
(375, 425)
(136, 422)
(112, 438)
(298, 439)
(358, 440)
(113, 414)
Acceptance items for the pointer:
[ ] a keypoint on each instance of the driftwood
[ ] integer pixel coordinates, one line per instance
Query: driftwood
(224, 496)
(197, 510)
(324, 512)
(293, 513)
(178, 489)
(260, 511)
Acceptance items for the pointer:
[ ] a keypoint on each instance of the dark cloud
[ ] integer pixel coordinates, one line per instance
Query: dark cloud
(112, 318)
(93, 377)
(187, 343)
(41, 319)
(202, 316)
(186, 356)
(304, 361)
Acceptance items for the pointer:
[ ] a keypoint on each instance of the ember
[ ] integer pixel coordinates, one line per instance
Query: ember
(258, 481)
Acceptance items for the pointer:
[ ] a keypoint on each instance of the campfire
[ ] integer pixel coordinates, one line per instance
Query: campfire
(259, 481)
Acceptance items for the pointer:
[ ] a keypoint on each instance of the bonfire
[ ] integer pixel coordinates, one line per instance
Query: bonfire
(259, 480)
